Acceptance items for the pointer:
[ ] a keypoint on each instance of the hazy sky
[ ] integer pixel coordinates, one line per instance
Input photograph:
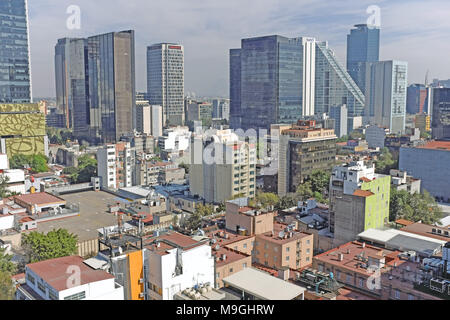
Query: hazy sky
(416, 31)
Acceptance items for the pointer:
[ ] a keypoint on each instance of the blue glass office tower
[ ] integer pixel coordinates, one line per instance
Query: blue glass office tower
(15, 84)
(363, 45)
(271, 81)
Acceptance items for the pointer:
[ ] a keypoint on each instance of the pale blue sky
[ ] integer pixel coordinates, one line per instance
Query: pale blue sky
(416, 31)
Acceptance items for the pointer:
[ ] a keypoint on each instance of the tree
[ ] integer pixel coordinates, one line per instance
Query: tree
(385, 162)
(342, 139)
(414, 207)
(87, 168)
(7, 289)
(4, 192)
(194, 222)
(264, 200)
(288, 201)
(54, 244)
(356, 135)
(315, 186)
(221, 207)
(37, 163)
(304, 191)
(185, 166)
(204, 210)
(6, 265)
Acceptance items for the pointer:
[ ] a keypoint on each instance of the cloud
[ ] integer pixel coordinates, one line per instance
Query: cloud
(414, 31)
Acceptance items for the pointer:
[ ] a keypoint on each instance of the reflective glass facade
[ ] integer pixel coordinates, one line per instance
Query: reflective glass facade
(72, 83)
(441, 114)
(363, 45)
(266, 82)
(14, 56)
(334, 86)
(112, 93)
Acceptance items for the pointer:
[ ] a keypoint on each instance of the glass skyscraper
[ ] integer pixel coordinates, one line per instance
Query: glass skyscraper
(334, 86)
(271, 81)
(15, 83)
(165, 80)
(72, 83)
(363, 45)
(112, 93)
(441, 114)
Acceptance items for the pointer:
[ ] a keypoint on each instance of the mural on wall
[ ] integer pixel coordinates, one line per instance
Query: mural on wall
(22, 126)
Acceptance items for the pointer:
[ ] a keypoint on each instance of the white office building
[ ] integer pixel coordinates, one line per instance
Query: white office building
(386, 87)
(165, 80)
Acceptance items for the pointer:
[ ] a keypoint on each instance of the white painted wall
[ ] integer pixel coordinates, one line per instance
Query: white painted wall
(6, 222)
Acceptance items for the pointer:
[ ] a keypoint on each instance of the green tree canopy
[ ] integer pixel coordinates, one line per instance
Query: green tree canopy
(7, 289)
(4, 192)
(54, 244)
(315, 186)
(264, 200)
(37, 163)
(288, 201)
(194, 222)
(6, 265)
(87, 168)
(414, 207)
(385, 162)
(204, 210)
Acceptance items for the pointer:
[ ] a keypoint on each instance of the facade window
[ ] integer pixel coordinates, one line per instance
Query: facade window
(287, 249)
(231, 270)
(287, 258)
(76, 296)
(244, 265)
(397, 294)
(410, 297)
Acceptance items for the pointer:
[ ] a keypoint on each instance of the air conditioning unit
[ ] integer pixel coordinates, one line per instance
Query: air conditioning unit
(141, 280)
(141, 295)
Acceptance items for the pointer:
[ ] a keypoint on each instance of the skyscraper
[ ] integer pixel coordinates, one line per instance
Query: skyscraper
(272, 81)
(72, 83)
(15, 83)
(334, 86)
(441, 114)
(386, 85)
(165, 80)
(112, 91)
(418, 99)
(363, 45)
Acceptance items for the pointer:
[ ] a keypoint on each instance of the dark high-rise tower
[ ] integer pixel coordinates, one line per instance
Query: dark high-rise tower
(72, 83)
(363, 46)
(15, 83)
(441, 114)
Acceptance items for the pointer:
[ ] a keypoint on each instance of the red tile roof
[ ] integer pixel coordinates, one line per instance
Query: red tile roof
(437, 145)
(56, 272)
(362, 193)
(40, 198)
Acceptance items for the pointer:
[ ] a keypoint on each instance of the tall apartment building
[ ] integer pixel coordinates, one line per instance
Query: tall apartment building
(15, 74)
(199, 111)
(222, 167)
(115, 163)
(303, 148)
(386, 86)
(340, 115)
(143, 117)
(271, 81)
(72, 84)
(363, 45)
(221, 109)
(359, 200)
(22, 129)
(165, 80)
(441, 114)
(95, 85)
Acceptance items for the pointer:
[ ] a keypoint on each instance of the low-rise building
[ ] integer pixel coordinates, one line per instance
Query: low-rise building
(228, 262)
(67, 278)
(402, 181)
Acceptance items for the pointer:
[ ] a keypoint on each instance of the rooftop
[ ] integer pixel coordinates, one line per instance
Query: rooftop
(427, 230)
(353, 254)
(436, 145)
(263, 286)
(230, 256)
(279, 229)
(54, 272)
(362, 193)
(171, 241)
(40, 198)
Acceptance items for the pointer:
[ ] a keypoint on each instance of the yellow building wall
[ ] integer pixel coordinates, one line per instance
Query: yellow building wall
(135, 261)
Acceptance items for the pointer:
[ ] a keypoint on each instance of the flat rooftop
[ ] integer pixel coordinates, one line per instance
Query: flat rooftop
(54, 272)
(436, 145)
(426, 230)
(40, 198)
(263, 286)
(93, 215)
(231, 256)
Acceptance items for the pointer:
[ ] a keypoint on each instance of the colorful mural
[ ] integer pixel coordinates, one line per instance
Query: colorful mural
(22, 127)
